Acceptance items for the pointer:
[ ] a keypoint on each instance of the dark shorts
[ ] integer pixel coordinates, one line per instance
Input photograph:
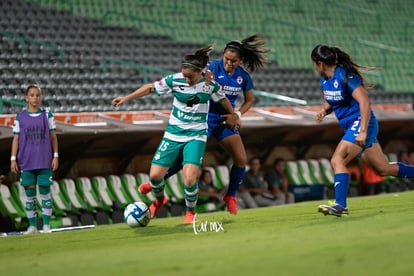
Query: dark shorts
(218, 130)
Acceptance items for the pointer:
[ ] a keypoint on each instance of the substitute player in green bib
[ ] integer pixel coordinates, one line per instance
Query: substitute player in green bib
(187, 127)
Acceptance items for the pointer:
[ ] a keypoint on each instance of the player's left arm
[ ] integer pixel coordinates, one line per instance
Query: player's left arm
(361, 96)
(246, 105)
(248, 101)
(53, 141)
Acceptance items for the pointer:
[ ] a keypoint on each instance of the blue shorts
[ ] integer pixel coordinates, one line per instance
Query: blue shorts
(217, 129)
(42, 177)
(352, 132)
(168, 152)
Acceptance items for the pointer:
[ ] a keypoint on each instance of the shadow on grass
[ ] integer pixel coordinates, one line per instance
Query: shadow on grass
(320, 219)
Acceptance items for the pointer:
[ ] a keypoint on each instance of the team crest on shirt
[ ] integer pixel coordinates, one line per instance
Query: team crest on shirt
(335, 84)
(239, 79)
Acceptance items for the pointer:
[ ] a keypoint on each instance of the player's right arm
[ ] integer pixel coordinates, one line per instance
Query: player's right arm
(248, 102)
(140, 92)
(326, 110)
(15, 145)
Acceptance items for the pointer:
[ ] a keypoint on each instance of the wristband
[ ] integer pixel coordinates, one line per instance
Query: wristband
(13, 158)
(238, 113)
(55, 155)
(328, 111)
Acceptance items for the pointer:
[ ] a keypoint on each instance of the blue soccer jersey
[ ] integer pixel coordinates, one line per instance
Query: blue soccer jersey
(232, 85)
(338, 93)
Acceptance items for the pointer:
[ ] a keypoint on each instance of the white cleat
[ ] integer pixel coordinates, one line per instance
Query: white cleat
(46, 228)
(31, 230)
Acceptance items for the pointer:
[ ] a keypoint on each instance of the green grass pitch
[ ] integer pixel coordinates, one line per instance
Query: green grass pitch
(377, 238)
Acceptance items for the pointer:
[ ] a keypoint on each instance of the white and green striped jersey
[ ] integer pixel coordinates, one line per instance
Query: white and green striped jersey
(188, 122)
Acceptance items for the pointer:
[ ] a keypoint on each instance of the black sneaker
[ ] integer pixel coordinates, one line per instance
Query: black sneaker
(335, 210)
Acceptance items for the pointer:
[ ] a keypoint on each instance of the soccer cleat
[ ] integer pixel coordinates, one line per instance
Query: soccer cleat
(46, 228)
(145, 188)
(335, 210)
(231, 203)
(31, 230)
(156, 205)
(190, 217)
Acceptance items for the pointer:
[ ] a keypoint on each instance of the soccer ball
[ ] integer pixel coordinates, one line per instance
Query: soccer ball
(137, 214)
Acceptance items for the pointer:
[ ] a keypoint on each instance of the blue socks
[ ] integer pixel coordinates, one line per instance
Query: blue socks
(236, 178)
(405, 170)
(341, 184)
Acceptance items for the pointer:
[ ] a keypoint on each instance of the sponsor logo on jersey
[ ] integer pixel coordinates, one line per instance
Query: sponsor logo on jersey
(184, 116)
(333, 95)
(231, 90)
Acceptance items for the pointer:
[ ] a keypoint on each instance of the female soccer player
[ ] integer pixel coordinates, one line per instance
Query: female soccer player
(345, 94)
(34, 155)
(187, 127)
(235, 80)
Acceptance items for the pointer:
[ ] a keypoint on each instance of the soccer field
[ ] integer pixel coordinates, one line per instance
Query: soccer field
(377, 238)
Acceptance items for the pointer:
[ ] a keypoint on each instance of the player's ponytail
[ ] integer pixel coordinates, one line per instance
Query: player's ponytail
(199, 59)
(335, 56)
(251, 50)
